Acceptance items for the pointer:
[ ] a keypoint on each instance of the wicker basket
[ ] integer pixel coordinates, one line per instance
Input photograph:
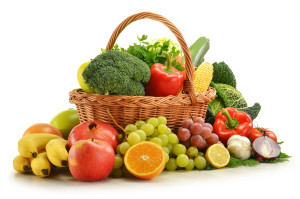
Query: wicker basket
(129, 109)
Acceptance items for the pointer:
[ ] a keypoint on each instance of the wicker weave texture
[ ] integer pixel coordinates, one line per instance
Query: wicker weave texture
(129, 109)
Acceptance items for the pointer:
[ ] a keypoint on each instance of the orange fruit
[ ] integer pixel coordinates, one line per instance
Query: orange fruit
(217, 155)
(42, 128)
(145, 160)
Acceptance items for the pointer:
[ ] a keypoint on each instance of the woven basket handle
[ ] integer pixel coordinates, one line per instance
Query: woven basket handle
(188, 60)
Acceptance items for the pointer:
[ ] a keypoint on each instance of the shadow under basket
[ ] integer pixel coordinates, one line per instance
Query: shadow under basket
(129, 109)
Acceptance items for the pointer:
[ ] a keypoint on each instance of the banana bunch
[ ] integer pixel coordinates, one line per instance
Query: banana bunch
(37, 152)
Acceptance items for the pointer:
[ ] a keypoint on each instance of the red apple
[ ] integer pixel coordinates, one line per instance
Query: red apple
(94, 129)
(91, 160)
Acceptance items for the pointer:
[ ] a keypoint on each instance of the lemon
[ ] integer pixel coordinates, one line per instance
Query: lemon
(81, 80)
(217, 155)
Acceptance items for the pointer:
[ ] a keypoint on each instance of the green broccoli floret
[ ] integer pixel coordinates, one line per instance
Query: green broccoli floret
(117, 73)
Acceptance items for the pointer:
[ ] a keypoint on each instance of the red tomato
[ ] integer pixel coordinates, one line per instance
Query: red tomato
(258, 132)
(42, 128)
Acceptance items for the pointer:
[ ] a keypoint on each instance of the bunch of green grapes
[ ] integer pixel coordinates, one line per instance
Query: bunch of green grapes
(156, 130)
(183, 158)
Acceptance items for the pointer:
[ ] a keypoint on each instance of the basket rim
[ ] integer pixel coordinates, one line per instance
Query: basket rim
(85, 98)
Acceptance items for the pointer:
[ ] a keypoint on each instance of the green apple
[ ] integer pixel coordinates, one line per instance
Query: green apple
(81, 80)
(65, 121)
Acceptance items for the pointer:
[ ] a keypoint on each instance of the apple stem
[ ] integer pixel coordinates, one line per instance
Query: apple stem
(92, 139)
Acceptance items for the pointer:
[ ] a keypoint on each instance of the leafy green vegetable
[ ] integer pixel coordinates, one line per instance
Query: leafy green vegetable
(172, 44)
(216, 105)
(210, 117)
(235, 162)
(223, 74)
(227, 96)
(151, 53)
(117, 73)
(233, 98)
(252, 111)
(209, 166)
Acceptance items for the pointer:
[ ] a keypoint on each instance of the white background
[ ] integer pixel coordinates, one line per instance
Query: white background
(43, 43)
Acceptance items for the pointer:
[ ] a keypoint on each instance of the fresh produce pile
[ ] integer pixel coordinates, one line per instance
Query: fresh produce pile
(94, 150)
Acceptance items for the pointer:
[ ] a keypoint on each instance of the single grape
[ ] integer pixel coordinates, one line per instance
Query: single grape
(164, 139)
(153, 121)
(187, 123)
(171, 164)
(166, 149)
(167, 157)
(170, 147)
(133, 138)
(148, 129)
(208, 125)
(118, 149)
(173, 139)
(124, 146)
(118, 161)
(182, 160)
(186, 143)
(139, 123)
(198, 120)
(198, 141)
(162, 120)
(156, 140)
(200, 162)
(155, 133)
(120, 136)
(212, 139)
(179, 149)
(162, 128)
(130, 128)
(142, 134)
(196, 128)
(168, 131)
(190, 165)
(126, 173)
(206, 132)
(183, 134)
(192, 151)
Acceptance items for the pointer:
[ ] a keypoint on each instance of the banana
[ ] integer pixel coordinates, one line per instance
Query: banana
(30, 145)
(40, 165)
(21, 164)
(57, 152)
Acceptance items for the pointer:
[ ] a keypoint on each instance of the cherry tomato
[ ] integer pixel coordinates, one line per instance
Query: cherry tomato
(258, 132)
(42, 128)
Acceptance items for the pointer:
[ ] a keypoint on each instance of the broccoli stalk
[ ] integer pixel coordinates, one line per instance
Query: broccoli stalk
(117, 73)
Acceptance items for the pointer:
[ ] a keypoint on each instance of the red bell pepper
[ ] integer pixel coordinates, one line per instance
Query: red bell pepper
(164, 80)
(229, 122)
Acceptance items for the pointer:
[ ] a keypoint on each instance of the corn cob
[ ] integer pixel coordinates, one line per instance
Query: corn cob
(202, 77)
